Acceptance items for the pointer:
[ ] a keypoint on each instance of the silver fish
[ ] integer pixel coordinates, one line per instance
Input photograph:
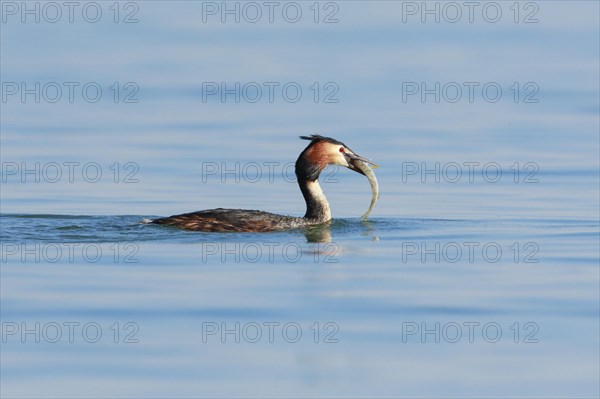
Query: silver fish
(367, 171)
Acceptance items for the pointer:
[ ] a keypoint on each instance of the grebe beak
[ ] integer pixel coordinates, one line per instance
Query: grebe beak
(354, 159)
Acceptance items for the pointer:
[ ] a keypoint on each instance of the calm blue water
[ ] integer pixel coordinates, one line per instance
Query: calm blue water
(477, 275)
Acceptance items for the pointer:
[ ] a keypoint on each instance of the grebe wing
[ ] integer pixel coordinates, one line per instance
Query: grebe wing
(227, 220)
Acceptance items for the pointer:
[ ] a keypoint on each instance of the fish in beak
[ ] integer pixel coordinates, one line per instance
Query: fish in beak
(361, 165)
(356, 162)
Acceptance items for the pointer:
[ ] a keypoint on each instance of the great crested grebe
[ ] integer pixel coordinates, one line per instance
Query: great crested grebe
(321, 151)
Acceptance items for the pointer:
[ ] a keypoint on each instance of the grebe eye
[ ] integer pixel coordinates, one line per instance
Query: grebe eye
(342, 149)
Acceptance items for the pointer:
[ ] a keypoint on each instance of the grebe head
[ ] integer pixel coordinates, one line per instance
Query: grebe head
(323, 151)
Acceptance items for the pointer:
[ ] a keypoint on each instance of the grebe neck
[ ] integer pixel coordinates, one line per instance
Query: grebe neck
(317, 207)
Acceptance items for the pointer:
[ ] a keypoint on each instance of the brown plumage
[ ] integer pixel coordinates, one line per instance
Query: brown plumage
(234, 220)
(321, 151)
